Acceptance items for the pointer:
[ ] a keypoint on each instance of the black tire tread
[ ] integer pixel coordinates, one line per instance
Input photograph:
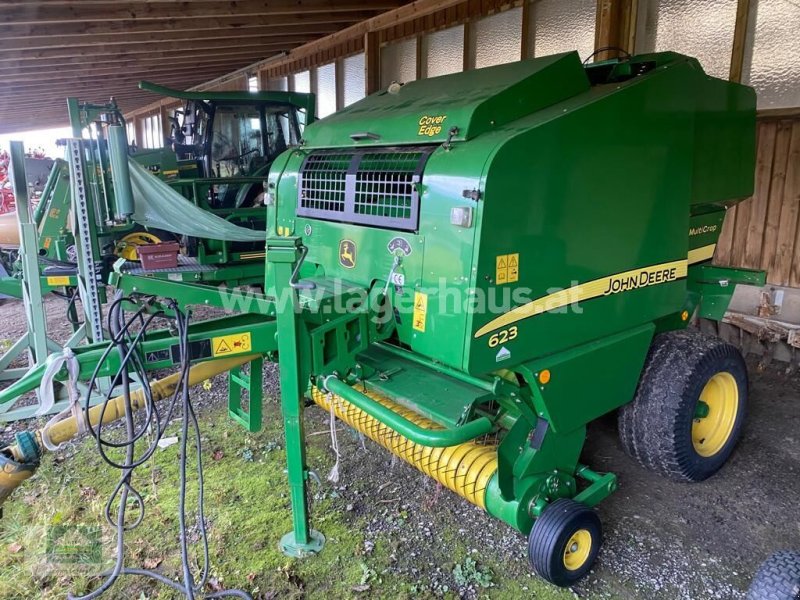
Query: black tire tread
(650, 427)
(546, 530)
(778, 578)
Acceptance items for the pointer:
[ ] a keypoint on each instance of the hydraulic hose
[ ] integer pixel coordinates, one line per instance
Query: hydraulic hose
(20, 460)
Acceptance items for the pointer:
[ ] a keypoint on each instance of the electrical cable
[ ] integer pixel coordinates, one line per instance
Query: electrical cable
(620, 51)
(127, 343)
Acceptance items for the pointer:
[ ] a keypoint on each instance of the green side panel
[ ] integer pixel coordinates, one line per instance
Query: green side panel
(474, 102)
(704, 229)
(600, 190)
(712, 287)
(10, 286)
(725, 134)
(591, 380)
(160, 162)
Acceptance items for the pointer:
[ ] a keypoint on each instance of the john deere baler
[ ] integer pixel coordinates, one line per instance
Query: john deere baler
(469, 269)
(528, 232)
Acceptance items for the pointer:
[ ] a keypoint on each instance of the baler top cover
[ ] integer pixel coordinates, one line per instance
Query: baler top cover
(473, 102)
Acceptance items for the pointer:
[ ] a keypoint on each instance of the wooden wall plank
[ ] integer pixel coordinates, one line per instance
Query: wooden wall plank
(775, 200)
(781, 267)
(791, 196)
(754, 240)
(743, 216)
(722, 253)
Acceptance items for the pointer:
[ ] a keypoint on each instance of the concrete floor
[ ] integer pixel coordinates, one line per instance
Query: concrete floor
(705, 540)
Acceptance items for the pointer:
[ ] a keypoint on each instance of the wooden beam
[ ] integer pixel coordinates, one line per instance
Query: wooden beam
(526, 41)
(146, 70)
(85, 65)
(39, 99)
(199, 47)
(194, 37)
(739, 40)
(15, 11)
(128, 27)
(607, 28)
(124, 60)
(778, 113)
(398, 16)
(138, 128)
(419, 54)
(466, 55)
(372, 62)
(124, 83)
(615, 27)
(166, 126)
(119, 59)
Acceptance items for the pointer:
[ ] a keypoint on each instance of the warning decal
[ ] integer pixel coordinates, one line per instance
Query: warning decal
(420, 311)
(507, 268)
(59, 280)
(231, 344)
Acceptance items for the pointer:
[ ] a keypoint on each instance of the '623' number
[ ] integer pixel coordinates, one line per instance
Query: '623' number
(501, 337)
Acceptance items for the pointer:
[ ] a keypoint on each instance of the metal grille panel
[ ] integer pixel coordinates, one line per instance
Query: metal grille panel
(323, 184)
(370, 187)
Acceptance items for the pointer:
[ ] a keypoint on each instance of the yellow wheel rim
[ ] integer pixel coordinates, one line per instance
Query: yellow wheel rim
(127, 247)
(578, 549)
(715, 414)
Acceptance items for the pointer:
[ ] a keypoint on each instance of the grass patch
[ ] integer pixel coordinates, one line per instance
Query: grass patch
(247, 512)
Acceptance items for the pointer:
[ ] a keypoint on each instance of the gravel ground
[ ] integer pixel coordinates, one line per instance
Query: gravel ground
(663, 540)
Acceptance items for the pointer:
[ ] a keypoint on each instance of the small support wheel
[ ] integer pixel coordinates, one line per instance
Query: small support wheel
(564, 542)
(778, 578)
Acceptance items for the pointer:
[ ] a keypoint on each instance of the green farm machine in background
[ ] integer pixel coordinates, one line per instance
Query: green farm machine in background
(100, 204)
(469, 269)
(218, 154)
(221, 147)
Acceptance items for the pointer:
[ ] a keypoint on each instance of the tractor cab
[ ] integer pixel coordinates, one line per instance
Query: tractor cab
(233, 135)
(232, 139)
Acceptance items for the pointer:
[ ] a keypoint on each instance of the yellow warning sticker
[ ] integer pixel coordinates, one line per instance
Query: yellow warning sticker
(507, 268)
(420, 311)
(231, 344)
(513, 268)
(58, 280)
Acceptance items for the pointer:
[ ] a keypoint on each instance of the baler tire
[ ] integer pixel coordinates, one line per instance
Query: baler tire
(554, 533)
(656, 428)
(778, 578)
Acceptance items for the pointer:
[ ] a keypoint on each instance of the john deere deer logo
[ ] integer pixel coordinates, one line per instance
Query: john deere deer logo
(347, 254)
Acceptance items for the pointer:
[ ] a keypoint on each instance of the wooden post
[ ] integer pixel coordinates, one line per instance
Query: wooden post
(419, 55)
(526, 42)
(739, 37)
(165, 125)
(138, 126)
(615, 27)
(372, 62)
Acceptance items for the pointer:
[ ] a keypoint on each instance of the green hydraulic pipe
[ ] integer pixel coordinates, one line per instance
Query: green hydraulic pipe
(488, 386)
(120, 172)
(435, 438)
